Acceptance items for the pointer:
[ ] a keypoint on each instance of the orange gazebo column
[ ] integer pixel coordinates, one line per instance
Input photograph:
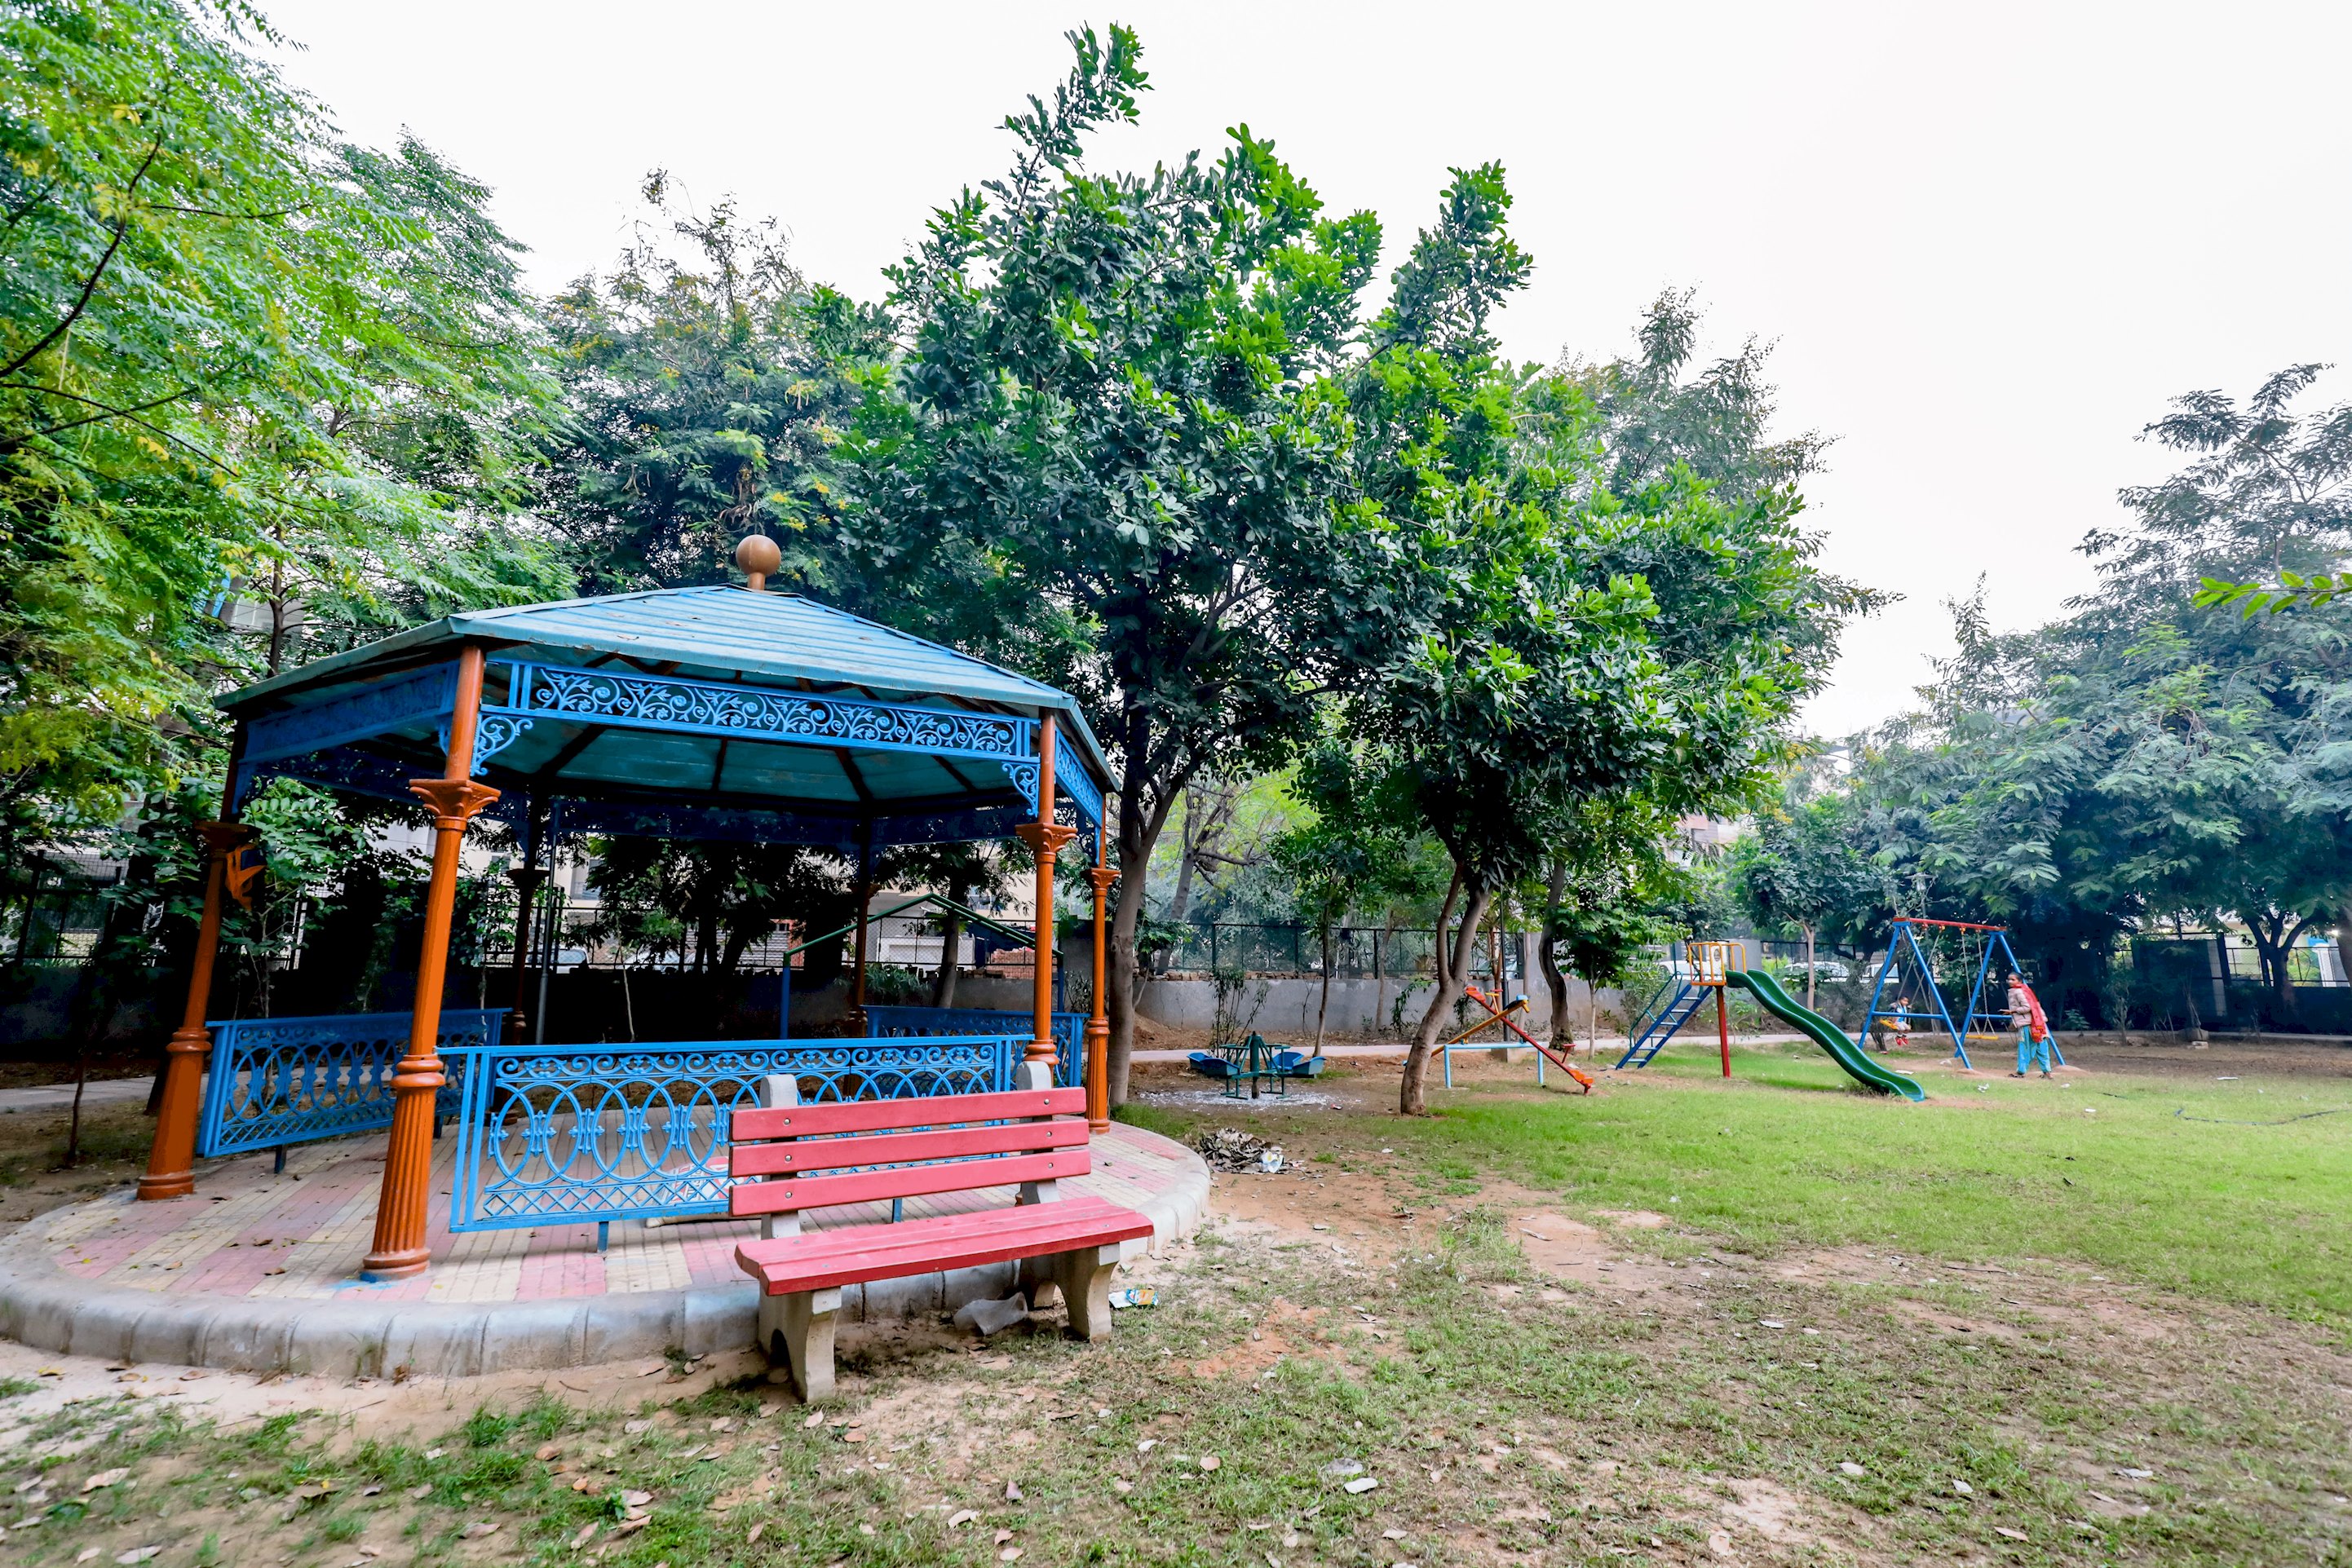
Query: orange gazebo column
(170, 1160)
(1098, 1025)
(455, 799)
(1045, 837)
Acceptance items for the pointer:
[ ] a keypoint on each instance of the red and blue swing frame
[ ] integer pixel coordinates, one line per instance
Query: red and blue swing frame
(1904, 934)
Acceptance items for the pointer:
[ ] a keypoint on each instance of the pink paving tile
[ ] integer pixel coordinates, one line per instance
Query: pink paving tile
(548, 1276)
(554, 1260)
(231, 1271)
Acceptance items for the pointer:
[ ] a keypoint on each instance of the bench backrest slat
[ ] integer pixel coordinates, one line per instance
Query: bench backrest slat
(788, 1193)
(797, 1155)
(750, 1126)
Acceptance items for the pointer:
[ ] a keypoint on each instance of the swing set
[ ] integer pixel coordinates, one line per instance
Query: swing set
(1924, 961)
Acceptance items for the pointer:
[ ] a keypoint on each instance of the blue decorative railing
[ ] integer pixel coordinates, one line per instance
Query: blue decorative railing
(274, 1081)
(632, 700)
(584, 1134)
(916, 1024)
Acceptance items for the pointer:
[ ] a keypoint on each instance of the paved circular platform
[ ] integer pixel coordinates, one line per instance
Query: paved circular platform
(258, 1272)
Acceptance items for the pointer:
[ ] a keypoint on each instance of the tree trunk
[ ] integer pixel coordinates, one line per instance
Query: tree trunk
(2274, 938)
(1453, 973)
(1138, 835)
(1563, 1033)
(1323, 1008)
(1809, 968)
(89, 1027)
(943, 984)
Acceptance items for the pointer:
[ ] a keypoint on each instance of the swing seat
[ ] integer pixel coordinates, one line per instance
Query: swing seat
(1292, 1064)
(1209, 1065)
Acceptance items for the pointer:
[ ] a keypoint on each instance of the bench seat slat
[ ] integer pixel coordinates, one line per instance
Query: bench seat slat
(824, 1258)
(905, 1181)
(752, 1124)
(805, 1154)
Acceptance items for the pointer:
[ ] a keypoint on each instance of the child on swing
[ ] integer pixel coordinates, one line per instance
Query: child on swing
(2031, 1024)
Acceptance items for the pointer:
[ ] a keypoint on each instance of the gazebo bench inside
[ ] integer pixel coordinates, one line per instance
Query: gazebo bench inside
(957, 1142)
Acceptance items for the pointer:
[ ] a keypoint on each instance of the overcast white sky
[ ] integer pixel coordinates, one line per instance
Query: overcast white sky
(1990, 239)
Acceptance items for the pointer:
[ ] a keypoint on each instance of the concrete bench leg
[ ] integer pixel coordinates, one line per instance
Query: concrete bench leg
(798, 1331)
(1040, 1280)
(1083, 1277)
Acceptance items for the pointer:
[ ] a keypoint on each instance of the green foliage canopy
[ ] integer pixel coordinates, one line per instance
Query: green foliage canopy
(232, 347)
(1112, 455)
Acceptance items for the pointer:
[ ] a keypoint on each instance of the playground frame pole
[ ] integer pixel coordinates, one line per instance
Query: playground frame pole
(1723, 1026)
(1936, 987)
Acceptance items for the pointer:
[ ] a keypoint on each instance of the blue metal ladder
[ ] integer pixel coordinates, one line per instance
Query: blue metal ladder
(1661, 1028)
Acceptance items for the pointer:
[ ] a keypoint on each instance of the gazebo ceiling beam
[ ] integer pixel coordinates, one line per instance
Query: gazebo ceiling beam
(849, 770)
(554, 766)
(841, 810)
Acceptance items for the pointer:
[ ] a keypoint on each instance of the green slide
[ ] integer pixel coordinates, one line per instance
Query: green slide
(1825, 1034)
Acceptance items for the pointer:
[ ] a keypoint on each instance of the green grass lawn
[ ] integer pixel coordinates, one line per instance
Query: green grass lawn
(2213, 1188)
(2018, 1415)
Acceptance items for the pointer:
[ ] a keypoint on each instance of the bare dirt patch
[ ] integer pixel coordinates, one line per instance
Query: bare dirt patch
(1349, 1213)
(1564, 1248)
(1287, 1330)
(1765, 1510)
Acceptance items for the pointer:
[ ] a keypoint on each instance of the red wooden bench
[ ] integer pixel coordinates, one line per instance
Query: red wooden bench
(786, 1157)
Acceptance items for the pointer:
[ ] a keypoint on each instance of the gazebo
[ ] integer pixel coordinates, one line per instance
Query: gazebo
(696, 712)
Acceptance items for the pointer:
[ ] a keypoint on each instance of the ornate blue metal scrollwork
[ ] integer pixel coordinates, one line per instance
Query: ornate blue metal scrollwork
(571, 1134)
(708, 708)
(274, 1081)
(1070, 778)
(403, 702)
(1077, 801)
(494, 733)
(915, 1023)
(1024, 778)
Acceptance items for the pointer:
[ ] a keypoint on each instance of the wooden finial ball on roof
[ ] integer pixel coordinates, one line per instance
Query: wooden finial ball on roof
(759, 559)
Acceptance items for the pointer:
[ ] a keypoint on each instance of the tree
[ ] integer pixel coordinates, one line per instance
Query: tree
(1112, 456)
(2266, 492)
(1353, 854)
(1799, 869)
(957, 872)
(233, 349)
(708, 903)
(1607, 876)
(260, 390)
(2145, 757)
(1574, 646)
(1717, 423)
(707, 398)
(704, 397)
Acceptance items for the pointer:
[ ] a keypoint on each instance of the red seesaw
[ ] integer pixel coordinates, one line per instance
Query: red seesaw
(1495, 1015)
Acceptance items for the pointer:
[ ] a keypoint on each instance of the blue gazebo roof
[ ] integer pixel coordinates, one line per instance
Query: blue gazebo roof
(689, 711)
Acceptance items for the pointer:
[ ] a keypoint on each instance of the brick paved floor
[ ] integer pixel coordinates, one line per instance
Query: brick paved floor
(301, 1235)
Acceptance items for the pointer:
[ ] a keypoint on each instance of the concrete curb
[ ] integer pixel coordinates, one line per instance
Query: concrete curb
(47, 1309)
